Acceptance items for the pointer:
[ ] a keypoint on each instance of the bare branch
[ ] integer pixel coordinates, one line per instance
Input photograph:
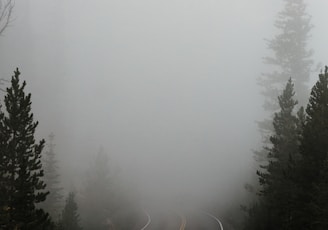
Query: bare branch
(6, 8)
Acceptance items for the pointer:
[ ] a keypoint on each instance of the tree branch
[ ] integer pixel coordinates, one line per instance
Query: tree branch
(6, 8)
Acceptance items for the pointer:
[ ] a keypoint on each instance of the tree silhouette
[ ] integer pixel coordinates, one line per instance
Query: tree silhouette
(20, 163)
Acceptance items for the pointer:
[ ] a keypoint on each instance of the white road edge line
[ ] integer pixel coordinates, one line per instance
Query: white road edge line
(149, 220)
(216, 219)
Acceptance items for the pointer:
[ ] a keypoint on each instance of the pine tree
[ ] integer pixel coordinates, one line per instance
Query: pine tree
(275, 207)
(51, 178)
(277, 181)
(313, 200)
(4, 177)
(70, 217)
(291, 56)
(20, 168)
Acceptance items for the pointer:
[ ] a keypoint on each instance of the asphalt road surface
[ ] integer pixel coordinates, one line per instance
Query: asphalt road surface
(202, 221)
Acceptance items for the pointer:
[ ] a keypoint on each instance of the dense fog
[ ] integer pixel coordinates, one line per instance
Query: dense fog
(168, 89)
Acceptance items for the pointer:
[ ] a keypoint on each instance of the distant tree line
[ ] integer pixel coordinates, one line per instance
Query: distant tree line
(30, 190)
(22, 186)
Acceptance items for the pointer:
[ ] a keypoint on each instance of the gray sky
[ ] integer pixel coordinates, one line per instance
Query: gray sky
(168, 88)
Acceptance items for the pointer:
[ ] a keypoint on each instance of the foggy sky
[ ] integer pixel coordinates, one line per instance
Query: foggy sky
(168, 88)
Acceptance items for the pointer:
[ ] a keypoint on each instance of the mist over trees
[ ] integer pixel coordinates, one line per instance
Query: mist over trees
(157, 84)
(293, 184)
(281, 200)
(30, 190)
(290, 58)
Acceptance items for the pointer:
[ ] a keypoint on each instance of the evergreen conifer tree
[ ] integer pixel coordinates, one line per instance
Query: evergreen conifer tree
(70, 217)
(277, 181)
(20, 165)
(313, 178)
(291, 56)
(274, 210)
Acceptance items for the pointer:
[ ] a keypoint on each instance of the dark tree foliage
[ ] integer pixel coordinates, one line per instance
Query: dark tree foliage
(275, 207)
(20, 165)
(291, 57)
(313, 199)
(257, 216)
(295, 183)
(70, 217)
(51, 177)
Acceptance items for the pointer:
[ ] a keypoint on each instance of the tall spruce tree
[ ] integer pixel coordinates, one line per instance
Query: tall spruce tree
(4, 177)
(20, 165)
(51, 177)
(313, 179)
(291, 56)
(277, 181)
(276, 205)
(70, 218)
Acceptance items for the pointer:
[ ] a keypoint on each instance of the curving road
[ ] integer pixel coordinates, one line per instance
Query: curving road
(163, 220)
(168, 220)
(202, 221)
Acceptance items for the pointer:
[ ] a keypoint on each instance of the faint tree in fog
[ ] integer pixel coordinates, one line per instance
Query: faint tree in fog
(21, 184)
(105, 195)
(291, 56)
(6, 8)
(70, 218)
(97, 196)
(51, 178)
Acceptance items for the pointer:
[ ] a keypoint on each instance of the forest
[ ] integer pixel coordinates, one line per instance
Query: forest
(46, 182)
